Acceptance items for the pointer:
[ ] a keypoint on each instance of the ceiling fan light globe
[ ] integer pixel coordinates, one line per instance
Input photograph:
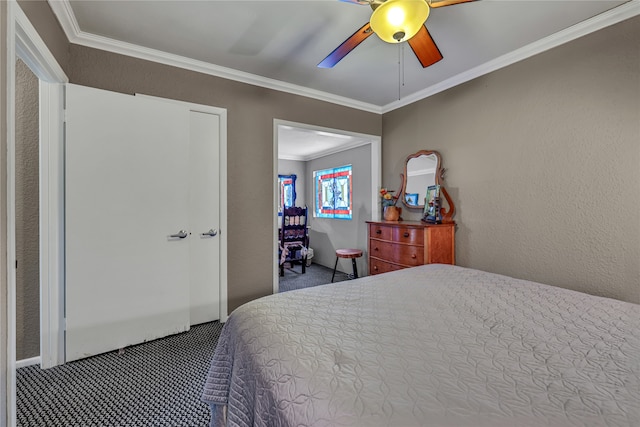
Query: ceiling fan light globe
(395, 17)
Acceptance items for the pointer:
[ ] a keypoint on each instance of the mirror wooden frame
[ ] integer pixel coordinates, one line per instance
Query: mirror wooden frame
(439, 174)
(447, 214)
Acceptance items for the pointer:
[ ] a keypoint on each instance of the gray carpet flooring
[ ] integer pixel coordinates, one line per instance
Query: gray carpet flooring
(152, 384)
(315, 275)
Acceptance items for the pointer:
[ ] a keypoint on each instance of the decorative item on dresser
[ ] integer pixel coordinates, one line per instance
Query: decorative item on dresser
(432, 212)
(390, 211)
(394, 245)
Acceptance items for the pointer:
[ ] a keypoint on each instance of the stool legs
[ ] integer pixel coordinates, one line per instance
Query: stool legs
(334, 269)
(353, 263)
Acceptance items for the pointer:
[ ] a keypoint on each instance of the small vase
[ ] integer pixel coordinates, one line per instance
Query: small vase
(392, 213)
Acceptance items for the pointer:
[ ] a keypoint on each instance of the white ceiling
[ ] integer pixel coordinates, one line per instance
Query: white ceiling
(303, 143)
(278, 44)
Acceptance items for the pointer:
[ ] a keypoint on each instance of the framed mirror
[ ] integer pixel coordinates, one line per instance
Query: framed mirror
(421, 170)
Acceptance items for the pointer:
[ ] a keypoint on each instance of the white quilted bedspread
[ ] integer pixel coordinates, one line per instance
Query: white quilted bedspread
(429, 346)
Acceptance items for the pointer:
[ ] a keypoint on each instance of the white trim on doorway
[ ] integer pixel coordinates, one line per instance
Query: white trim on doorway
(33, 51)
(376, 173)
(24, 42)
(52, 270)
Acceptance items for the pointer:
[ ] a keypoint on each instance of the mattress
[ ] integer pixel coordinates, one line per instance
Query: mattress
(435, 345)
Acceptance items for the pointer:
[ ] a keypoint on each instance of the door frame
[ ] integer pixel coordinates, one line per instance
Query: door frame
(24, 42)
(374, 141)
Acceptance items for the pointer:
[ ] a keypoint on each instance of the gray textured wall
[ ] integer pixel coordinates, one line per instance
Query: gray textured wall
(327, 235)
(27, 211)
(543, 161)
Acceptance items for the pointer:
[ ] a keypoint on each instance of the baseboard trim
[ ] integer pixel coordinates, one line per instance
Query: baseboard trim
(27, 362)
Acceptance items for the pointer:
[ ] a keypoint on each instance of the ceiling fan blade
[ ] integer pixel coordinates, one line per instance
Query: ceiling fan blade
(425, 48)
(347, 46)
(442, 3)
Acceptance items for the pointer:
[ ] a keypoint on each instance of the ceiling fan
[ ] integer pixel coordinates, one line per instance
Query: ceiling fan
(395, 21)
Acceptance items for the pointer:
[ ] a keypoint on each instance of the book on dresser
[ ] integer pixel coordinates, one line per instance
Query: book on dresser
(394, 245)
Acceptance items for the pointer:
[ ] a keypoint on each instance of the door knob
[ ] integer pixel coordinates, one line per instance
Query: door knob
(212, 232)
(180, 234)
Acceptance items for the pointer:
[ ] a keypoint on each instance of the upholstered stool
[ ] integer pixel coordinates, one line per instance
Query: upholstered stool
(347, 253)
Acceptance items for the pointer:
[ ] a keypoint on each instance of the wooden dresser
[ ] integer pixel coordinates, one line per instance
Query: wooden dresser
(394, 245)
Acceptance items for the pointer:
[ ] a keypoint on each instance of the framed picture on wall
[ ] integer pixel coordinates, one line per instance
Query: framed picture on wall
(287, 192)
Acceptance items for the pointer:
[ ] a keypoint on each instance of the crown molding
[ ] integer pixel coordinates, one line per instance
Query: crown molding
(344, 147)
(66, 18)
(293, 158)
(598, 22)
(64, 13)
(34, 52)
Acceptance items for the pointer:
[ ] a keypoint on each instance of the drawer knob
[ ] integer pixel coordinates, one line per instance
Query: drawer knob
(375, 267)
(378, 231)
(413, 256)
(406, 234)
(375, 249)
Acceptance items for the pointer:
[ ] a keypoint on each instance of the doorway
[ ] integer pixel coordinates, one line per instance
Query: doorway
(24, 42)
(304, 148)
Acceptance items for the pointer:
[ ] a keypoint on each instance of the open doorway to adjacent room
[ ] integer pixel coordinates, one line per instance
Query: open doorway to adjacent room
(302, 149)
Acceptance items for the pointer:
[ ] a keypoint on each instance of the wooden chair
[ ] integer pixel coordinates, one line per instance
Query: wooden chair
(294, 237)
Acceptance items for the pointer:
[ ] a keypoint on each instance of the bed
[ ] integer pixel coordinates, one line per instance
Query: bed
(435, 345)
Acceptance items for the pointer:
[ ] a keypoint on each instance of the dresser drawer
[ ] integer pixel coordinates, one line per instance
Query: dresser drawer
(414, 236)
(403, 254)
(377, 266)
(396, 233)
(377, 231)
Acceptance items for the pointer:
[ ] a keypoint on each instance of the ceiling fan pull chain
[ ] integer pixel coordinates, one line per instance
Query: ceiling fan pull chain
(402, 62)
(399, 71)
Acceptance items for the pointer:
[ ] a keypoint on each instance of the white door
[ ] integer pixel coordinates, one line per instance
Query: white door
(126, 192)
(204, 196)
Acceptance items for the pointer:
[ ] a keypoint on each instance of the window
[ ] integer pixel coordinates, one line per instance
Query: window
(287, 192)
(333, 193)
